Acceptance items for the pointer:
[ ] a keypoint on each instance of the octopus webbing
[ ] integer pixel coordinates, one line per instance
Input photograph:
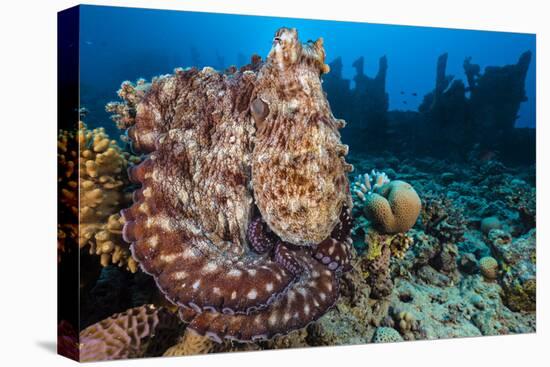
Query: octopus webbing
(243, 214)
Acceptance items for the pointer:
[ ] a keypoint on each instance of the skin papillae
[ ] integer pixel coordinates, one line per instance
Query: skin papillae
(243, 214)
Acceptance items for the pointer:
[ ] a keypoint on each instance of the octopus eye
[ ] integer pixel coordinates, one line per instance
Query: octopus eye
(259, 110)
(277, 39)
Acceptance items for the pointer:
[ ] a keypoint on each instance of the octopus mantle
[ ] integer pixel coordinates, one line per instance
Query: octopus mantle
(242, 216)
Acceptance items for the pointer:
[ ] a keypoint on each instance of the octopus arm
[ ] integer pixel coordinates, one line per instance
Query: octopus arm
(311, 296)
(336, 251)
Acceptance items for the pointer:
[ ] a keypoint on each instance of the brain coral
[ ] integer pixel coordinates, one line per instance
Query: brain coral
(489, 267)
(386, 335)
(391, 207)
(103, 179)
(130, 334)
(243, 212)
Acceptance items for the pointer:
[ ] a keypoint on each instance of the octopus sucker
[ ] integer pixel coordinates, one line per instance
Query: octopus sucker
(243, 214)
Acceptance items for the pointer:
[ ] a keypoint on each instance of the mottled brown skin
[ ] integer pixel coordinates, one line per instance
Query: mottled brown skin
(222, 149)
(298, 166)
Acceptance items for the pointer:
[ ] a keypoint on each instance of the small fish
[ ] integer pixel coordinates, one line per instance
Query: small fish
(414, 94)
(404, 102)
(402, 92)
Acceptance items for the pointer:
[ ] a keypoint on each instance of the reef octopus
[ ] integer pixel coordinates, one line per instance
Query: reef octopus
(243, 214)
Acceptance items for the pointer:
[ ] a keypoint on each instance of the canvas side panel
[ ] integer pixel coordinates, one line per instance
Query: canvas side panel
(67, 210)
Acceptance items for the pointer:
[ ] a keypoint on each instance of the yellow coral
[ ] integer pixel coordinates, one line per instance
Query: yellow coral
(488, 267)
(103, 178)
(191, 343)
(398, 243)
(393, 208)
(374, 243)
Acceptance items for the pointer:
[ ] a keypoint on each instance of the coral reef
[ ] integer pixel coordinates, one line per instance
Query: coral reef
(385, 210)
(103, 180)
(131, 334)
(435, 290)
(439, 217)
(376, 261)
(423, 284)
(519, 270)
(238, 216)
(267, 146)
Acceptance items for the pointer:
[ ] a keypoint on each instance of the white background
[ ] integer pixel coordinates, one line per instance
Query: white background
(28, 182)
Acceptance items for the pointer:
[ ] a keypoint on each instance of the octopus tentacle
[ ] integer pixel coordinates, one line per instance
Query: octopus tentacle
(342, 231)
(260, 238)
(306, 300)
(335, 252)
(335, 255)
(287, 258)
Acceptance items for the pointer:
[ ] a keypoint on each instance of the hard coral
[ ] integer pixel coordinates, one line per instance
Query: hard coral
(386, 335)
(489, 223)
(67, 161)
(518, 280)
(440, 218)
(390, 206)
(191, 343)
(103, 181)
(130, 334)
(376, 261)
(488, 267)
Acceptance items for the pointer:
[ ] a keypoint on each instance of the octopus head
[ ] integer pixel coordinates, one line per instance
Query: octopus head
(298, 167)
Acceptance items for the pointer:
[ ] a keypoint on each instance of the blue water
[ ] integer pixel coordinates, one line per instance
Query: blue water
(124, 44)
